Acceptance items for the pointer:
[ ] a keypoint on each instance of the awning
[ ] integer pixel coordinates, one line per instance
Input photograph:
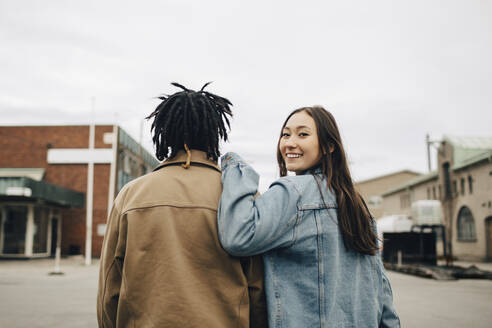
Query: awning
(23, 188)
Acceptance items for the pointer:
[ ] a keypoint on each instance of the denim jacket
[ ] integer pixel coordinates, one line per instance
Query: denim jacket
(311, 280)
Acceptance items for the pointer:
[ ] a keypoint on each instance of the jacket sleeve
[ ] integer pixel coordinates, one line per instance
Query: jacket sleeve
(389, 317)
(249, 225)
(110, 271)
(253, 270)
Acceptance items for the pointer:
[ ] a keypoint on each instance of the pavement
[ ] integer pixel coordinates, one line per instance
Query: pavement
(424, 302)
(30, 297)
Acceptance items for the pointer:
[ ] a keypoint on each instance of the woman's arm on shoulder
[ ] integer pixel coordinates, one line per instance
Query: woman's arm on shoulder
(249, 225)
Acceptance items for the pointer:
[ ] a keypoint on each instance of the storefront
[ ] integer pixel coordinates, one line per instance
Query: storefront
(31, 216)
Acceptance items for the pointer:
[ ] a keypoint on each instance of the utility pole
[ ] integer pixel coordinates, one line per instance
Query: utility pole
(428, 144)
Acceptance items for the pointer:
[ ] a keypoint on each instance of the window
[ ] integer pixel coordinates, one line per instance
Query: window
(455, 188)
(14, 230)
(466, 225)
(462, 186)
(40, 241)
(428, 193)
(470, 184)
(447, 181)
(375, 201)
(440, 194)
(405, 201)
(433, 192)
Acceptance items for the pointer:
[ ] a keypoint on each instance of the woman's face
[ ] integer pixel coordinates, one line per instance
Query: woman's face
(299, 144)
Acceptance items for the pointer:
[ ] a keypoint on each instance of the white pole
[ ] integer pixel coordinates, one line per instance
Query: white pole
(57, 270)
(58, 244)
(29, 230)
(428, 144)
(90, 192)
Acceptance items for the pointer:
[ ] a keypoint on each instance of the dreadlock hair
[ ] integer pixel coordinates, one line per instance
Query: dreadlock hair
(190, 119)
(354, 219)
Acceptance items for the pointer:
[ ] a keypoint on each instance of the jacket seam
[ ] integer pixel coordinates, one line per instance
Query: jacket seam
(103, 308)
(129, 304)
(295, 217)
(245, 293)
(193, 163)
(170, 205)
(319, 228)
(295, 229)
(296, 224)
(278, 309)
(113, 261)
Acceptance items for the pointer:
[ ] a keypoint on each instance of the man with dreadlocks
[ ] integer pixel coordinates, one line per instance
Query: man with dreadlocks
(162, 264)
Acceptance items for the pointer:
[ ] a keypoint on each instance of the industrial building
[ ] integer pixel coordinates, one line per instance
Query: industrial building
(463, 184)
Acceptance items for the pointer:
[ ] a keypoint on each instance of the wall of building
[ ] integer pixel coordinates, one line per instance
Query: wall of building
(400, 202)
(372, 189)
(480, 204)
(479, 201)
(27, 146)
(379, 185)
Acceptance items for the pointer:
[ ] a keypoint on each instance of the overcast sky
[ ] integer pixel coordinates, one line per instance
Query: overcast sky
(390, 71)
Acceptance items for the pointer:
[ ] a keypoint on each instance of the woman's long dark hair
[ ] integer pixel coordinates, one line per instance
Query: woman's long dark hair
(354, 218)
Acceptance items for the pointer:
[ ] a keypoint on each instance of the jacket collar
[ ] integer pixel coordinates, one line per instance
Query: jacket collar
(197, 157)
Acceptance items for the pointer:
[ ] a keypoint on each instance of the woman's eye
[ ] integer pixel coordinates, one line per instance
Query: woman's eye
(285, 135)
(303, 134)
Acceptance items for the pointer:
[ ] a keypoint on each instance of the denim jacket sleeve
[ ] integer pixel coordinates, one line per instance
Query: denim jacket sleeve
(389, 317)
(249, 225)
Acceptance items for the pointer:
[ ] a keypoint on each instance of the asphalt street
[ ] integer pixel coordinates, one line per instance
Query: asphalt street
(30, 297)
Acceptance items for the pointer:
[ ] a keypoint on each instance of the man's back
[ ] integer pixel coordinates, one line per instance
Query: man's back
(162, 263)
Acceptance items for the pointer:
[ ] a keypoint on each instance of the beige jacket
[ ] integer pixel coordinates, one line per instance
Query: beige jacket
(162, 264)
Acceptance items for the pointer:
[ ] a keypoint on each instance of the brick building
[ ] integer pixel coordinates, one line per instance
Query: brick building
(463, 184)
(45, 180)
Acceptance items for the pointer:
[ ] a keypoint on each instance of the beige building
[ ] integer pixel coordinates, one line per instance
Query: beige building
(463, 184)
(372, 189)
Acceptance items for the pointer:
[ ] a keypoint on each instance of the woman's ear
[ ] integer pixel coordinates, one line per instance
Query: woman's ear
(331, 148)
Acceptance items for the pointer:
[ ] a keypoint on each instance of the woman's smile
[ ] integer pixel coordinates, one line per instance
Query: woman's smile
(292, 155)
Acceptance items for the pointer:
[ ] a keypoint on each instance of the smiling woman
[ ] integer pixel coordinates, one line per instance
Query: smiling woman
(314, 230)
(310, 141)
